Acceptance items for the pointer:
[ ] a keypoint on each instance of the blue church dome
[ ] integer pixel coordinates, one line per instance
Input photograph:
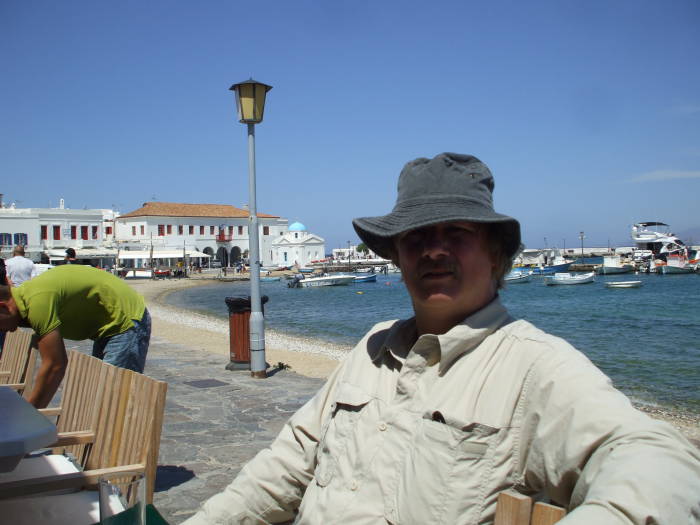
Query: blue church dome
(297, 227)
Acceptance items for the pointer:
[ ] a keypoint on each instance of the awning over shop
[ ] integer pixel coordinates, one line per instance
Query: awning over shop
(82, 253)
(159, 254)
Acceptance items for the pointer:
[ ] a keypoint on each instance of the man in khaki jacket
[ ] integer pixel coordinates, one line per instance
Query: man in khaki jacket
(430, 418)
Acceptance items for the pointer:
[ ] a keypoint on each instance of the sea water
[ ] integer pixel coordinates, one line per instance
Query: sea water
(647, 340)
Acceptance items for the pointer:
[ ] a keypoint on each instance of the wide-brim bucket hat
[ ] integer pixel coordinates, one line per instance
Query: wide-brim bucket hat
(449, 187)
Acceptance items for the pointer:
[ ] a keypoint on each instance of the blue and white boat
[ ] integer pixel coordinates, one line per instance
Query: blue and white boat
(368, 278)
(517, 277)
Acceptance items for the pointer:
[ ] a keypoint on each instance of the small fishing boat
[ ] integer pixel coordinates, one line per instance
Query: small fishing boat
(675, 264)
(269, 279)
(301, 281)
(306, 270)
(517, 277)
(569, 278)
(623, 284)
(612, 264)
(368, 278)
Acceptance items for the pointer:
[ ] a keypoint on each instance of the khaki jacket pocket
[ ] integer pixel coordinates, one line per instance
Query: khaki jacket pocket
(445, 461)
(349, 402)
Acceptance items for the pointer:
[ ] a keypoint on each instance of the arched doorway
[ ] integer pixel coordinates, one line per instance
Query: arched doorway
(208, 251)
(235, 254)
(222, 256)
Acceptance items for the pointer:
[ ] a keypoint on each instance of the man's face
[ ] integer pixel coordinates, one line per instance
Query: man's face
(447, 269)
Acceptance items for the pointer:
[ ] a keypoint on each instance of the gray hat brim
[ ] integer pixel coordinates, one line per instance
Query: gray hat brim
(378, 232)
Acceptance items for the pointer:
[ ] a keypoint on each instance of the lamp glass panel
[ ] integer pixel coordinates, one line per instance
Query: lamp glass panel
(260, 92)
(246, 94)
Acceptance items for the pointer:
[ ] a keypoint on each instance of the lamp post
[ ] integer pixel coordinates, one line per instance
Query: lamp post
(581, 236)
(250, 105)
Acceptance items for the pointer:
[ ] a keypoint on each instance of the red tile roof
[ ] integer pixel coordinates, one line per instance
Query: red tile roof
(176, 209)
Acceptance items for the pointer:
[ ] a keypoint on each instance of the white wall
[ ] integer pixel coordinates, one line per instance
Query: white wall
(196, 240)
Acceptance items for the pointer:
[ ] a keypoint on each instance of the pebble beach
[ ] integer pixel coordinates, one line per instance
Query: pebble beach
(305, 356)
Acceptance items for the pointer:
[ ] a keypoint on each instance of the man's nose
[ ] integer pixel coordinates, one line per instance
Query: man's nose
(435, 244)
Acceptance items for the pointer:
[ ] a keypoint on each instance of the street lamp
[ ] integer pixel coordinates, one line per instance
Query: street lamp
(250, 105)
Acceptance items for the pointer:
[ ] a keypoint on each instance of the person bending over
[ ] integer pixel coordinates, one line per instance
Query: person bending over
(77, 302)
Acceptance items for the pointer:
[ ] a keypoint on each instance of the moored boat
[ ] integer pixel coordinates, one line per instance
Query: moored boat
(301, 281)
(569, 278)
(369, 278)
(675, 264)
(623, 284)
(517, 277)
(612, 264)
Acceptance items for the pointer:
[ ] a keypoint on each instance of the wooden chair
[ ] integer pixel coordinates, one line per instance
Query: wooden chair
(110, 419)
(18, 360)
(517, 509)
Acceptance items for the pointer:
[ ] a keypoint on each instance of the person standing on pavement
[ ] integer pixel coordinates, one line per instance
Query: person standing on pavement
(428, 419)
(77, 302)
(19, 268)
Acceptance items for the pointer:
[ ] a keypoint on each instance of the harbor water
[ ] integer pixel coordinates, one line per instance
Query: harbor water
(645, 339)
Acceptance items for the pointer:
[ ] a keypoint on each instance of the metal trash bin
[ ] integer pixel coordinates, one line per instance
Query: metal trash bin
(239, 331)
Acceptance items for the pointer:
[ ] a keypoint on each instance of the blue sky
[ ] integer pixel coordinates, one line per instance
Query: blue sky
(588, 113)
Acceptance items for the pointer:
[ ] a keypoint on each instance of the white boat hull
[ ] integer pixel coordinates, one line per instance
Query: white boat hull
(330, 280)
(568, 278)
(517, 278)
(623, 284)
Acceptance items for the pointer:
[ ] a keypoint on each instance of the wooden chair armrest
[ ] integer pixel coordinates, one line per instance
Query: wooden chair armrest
(79, 437)
(74, 480)
(16, 386)
(513, 509)
(53, 411)
(546, 514)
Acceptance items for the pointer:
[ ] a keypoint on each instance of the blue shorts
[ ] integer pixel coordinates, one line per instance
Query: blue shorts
(128, 349)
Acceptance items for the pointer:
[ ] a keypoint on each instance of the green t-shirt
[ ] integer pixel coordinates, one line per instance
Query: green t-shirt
(81, 301)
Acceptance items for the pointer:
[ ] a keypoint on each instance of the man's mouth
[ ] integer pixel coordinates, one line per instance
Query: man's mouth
(436, 273)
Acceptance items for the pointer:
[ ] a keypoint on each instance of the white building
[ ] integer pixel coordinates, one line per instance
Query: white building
(47, 232)
(297, 246)
(218, 230)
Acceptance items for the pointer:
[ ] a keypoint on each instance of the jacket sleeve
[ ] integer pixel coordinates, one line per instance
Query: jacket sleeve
(270, 487)
(589, 448)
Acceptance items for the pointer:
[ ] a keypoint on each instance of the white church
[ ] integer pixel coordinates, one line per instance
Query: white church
(297, 246)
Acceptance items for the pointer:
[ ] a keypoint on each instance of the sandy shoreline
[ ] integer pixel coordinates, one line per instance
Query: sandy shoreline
(304, 356)
(212, 335)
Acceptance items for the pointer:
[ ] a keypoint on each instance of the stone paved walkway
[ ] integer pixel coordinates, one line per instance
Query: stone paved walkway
(215, 421)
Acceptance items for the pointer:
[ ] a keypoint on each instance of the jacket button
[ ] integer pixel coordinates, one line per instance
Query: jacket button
(353, 485)
(382, 426)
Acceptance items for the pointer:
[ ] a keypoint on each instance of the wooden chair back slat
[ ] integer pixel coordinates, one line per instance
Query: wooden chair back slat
(81, 399)
(129, 423)
(17, 361)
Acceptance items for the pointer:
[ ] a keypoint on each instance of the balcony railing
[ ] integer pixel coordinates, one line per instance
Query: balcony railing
(223, 237)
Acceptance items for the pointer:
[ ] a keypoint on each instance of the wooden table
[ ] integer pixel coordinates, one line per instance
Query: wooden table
(22, 429)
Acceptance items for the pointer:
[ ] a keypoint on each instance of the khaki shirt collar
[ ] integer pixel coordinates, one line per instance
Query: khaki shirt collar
(448, 347)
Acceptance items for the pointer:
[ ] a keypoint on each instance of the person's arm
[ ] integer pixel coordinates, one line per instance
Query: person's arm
(53, 366)
(586, 446)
